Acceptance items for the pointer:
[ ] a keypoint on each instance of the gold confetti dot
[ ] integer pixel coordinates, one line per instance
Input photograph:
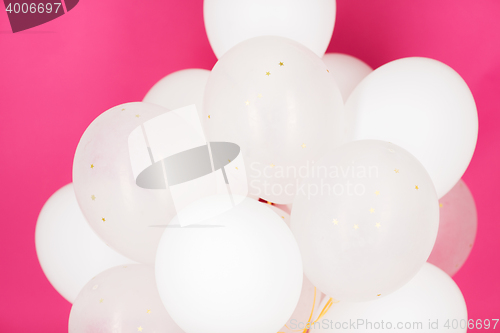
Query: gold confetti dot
(440, 205)
(372, 210)
(416, 187)
(92, 197)
(236, 168)
(247, 103)
(328, 71)
(282, 64)
(101, 300)
(208, 116)
(379, 294)
(149, 311)
(91, 166)
(272, 165)
(139, 329)
(283, 217)
(259, 96)
(377, 192)
(95, 287)
(123, 109)
(303, 145)
(268, 73)
(356, 226)
(335, 221)
(377, 225)
(137, 115)
(396, 170)
(103, 219)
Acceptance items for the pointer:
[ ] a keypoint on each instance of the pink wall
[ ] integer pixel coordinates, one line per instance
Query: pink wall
(56, 78)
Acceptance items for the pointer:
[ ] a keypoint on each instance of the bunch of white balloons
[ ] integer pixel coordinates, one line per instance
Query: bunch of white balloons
(369, 162)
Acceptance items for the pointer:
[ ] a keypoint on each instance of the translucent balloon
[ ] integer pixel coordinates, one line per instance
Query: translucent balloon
(365, 219)
(240, 271)
(120, 212)
(347, 70)
(69, 252)
(423, 106)
(229, 22)
(275, 99)
(430, 302)
(121, 299)
(457, 229)
(179, 89)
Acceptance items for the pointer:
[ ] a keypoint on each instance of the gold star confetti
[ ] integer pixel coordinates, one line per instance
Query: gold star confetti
(229, 161)
(440, 205)
(268, 73)
(247, 103)
(335, 221)
(272, 165)
(137, 115)
(377, 192)
(281, 64)
(149, 311)
(103, 219)
(91, 166)
(303, 145)
(396, 170)
(259, 96)
(101, 300)
(139, 329)
(356, 226)
(92, 197)
(416, 187)
(377, 225)
(372, 210)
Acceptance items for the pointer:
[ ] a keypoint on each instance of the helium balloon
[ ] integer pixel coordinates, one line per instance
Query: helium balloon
(229, 22)
(121, 299)
(423, 106)
(179, 89)
(457, 229)
(239, 271)
(430, 302)
(365, 219)
(69, 252)
(347, 70)
(275, 99)
(120, 212)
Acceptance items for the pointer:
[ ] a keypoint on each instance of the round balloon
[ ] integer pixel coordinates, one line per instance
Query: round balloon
(239, 271)
(121, 299)
(123, 214)
(347, 70)
(457, 229)
(275, 99)
(69, 252)
(179, 89)
(423, 106)
(229, 22)
(430, 302)
(365, 219)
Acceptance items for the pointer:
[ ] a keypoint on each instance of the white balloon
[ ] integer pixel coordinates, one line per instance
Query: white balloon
(69, 252)
(229, 22)
(179, 89)
(347, 70)
(366, 219)
(430, 302)
(275, 99)
(423, 106)
(240, 271)
(120, 212)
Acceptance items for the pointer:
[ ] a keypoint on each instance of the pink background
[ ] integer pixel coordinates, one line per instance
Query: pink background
(56, 78)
